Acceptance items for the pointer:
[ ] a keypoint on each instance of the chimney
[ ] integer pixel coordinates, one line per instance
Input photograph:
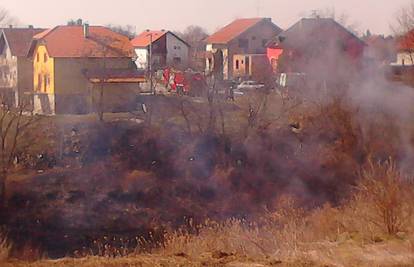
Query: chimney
(86, 30)
(79, 22)
(11, 26)
(31, 27)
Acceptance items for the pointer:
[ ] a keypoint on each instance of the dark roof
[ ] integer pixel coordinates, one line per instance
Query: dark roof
(312, 30)
(236, 28)
(19, 39)
(70, 42)
(115, 75)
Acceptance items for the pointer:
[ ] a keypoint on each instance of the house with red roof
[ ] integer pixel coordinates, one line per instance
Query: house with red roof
(245, 38)
(16, 78)
(81, 69)
(165, 48)
(405, 50)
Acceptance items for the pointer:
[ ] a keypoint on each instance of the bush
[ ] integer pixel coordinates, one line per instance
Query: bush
(382, 201)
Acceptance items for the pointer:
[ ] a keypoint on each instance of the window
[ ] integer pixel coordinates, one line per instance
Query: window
(39, 82)
(244, 43)
(237, 64)
(264, 42)
(253, 38)
(45, 57)
(177, 60)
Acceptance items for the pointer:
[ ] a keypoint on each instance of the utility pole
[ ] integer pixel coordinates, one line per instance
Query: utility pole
(150, 64)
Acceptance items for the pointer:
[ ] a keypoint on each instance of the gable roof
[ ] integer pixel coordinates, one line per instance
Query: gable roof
(19, 39)
(314, 30)
(70, 42)
(234, 29)
(144, 38)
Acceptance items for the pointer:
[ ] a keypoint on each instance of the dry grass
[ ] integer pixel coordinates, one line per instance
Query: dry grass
(5, 248)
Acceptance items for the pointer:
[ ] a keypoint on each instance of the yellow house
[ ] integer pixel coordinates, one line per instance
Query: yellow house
(73, 64)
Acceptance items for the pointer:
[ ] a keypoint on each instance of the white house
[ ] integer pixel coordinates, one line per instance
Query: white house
(167, 49)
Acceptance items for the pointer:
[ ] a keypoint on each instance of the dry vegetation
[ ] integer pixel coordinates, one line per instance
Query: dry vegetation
(320, 182)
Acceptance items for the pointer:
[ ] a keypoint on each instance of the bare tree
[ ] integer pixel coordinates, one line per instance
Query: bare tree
(404, 20)
(6, 19)
(127, 30)
(194, 35)
(13, 124)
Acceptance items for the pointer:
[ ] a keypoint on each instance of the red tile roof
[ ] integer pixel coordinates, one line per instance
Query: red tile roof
(19, 39)
(70, 42)
(144, 39)
(406, 42)
(233, 30)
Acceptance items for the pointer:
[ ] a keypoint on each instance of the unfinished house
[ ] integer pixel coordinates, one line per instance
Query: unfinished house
(80, 69)
(16, 70)
(165, 48)
(242, 37)
(321, 48)
(251, 66)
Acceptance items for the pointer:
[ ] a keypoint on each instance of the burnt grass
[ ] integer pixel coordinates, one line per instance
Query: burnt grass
(117, 180)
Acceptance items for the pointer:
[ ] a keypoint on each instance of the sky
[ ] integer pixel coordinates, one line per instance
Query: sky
(376, 15)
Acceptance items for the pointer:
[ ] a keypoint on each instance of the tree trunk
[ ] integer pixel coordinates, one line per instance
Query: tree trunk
(2, 190)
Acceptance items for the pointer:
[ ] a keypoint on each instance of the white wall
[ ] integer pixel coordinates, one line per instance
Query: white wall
(405, 59)
(176, 49)
(142, 58)
(44, 104)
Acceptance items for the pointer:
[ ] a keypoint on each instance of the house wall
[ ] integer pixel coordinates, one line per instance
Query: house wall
(273, 55)
(117, 97)
(257, 38)
(8, 74)
(405, 59)
(25, 80)
(43, 71)
(8, 68)
(72, 88)
(255, 67)
(176, 49)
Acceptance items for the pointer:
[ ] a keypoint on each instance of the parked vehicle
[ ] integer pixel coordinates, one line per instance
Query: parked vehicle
(249, 85)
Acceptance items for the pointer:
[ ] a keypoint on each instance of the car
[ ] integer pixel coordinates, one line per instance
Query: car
(249, 85)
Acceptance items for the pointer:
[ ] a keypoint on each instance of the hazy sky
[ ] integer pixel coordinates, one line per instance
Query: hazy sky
(211, 14)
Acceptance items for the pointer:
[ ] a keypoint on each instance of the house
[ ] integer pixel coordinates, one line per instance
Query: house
(81, 69)
(241, 37)
(380, 50)
(321, 48)
(405, 50)
(402, 69)
(165, 48)
(16, 70)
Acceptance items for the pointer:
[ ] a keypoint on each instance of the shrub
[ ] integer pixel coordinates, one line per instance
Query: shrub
(382, 199)
(5, 248)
